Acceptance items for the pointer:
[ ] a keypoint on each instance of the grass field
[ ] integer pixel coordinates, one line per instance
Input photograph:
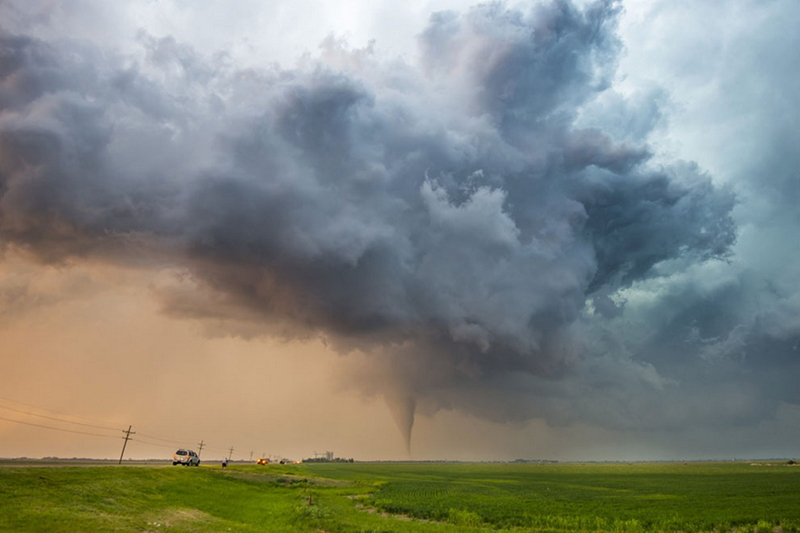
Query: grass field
(403, 497)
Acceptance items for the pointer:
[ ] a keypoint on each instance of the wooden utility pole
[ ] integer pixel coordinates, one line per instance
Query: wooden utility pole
(230, 454)
(127, 437)
(200, 448)
(251, 457)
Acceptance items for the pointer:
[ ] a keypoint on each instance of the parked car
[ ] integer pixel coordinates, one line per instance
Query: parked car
(186, 458)
(262, 461)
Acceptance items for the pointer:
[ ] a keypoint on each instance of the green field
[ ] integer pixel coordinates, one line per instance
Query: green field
(419, 497)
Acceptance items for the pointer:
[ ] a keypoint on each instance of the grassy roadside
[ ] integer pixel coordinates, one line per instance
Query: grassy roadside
(141, 499)
(242, 498)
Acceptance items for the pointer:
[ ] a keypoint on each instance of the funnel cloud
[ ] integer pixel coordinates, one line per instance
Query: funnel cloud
(491, 222)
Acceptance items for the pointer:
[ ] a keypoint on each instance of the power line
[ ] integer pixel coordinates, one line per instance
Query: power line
(202, 445)
(52, 411)
(57, 419)
(213, 448)
(141, 441)
(171, 441)
(153, 443)
(178, 442)
(57, 429)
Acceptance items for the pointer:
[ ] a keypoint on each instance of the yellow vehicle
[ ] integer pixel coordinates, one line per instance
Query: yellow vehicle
(262, 461)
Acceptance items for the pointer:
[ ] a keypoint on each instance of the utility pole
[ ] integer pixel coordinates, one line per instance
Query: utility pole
(200, 448)
(230, 454)
(127, 437)
(251, 457)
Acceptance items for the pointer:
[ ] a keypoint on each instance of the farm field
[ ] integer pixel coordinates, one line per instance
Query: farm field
(403, 497)
(588, 497)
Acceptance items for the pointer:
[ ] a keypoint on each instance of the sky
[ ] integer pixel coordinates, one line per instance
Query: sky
(560, 230)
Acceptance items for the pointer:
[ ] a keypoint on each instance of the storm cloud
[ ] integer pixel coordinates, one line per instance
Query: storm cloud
(488, 222)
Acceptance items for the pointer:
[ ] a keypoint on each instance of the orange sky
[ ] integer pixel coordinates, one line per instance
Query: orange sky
(88, 343)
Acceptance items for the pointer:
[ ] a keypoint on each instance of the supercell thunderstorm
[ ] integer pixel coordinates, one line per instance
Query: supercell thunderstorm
(469, 220)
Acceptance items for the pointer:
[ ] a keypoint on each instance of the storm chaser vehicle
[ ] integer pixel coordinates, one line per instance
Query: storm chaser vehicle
(186, 458)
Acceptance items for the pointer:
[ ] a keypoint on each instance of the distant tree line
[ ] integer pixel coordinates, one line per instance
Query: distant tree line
(326, 460)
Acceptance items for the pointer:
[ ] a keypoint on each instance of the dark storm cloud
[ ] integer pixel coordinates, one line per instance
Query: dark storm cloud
(451, 219)
(721, 337)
